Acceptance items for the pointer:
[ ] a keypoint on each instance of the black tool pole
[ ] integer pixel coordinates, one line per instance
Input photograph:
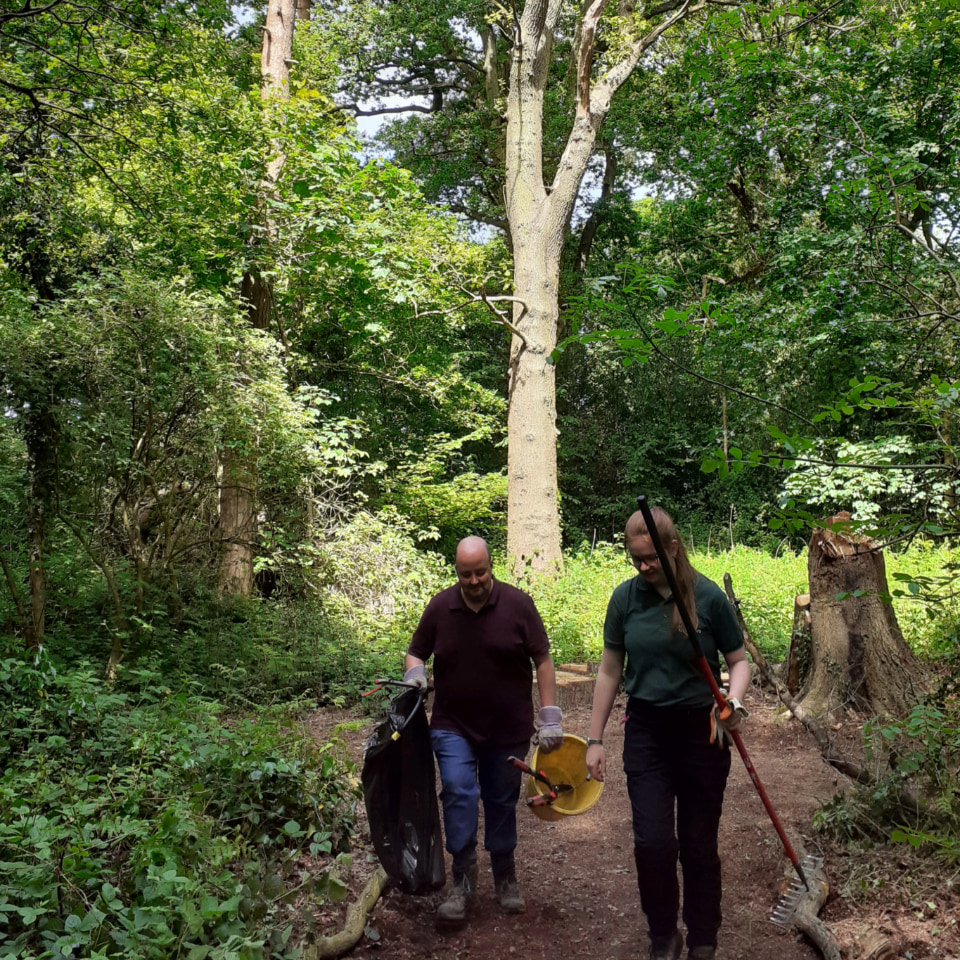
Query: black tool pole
(667, 568)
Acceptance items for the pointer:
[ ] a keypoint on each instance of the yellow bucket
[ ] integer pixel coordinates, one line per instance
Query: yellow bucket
(567, 765)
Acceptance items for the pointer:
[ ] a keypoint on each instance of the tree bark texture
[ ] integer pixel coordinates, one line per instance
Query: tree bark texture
(538, 219)
(816, 729)
(238, 524)
(40, 436)
(238, 505)
(859, 659)
(798, 660)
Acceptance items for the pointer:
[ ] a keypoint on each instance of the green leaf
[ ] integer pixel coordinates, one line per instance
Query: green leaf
(336, 890)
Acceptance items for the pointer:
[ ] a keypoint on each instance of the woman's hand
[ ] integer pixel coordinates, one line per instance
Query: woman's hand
(596, 761)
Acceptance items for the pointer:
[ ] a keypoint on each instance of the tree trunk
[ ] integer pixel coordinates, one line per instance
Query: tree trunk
(538, 219)
(859, 659)
(589, 232)
(238, 524)
(533, 531)
(40, 437)
(238, 510)
(798, 660)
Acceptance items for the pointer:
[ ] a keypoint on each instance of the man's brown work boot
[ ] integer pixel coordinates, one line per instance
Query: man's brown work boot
(509, 896)
(505, 882)
(456, 908)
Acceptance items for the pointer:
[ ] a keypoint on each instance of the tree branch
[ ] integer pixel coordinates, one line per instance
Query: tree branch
(585, 64)
(26, 12)
(381, 111)
(17, 602)
(716, 383)
(589, 117)
(593, 221)
(500, 318)
(491, 221)
(617, 74)
(930, 253)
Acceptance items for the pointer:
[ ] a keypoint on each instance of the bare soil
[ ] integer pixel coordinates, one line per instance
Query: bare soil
(579, 879)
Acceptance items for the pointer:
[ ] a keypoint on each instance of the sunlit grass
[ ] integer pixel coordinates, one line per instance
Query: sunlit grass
(573, 605)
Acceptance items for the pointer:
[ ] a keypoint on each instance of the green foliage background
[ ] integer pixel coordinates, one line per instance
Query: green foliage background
(762, 331)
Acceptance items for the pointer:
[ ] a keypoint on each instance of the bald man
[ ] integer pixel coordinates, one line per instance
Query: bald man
(486, 638)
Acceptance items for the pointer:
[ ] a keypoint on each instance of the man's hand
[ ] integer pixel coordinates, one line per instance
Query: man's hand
(551, 732)
(417, 675)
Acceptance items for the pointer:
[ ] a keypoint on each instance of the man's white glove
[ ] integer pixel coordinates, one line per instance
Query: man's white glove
(417, 675)
(551, 732)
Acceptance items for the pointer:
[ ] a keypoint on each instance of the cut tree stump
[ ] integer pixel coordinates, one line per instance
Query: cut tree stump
(875, 946)
(859, 659)
(574, 687)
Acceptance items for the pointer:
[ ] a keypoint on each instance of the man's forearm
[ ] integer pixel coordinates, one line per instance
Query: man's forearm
(547, 682)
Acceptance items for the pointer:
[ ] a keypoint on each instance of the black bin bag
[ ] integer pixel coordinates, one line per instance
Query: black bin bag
(399, 791)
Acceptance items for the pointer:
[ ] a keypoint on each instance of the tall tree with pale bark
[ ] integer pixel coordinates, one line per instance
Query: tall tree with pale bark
(517, 101)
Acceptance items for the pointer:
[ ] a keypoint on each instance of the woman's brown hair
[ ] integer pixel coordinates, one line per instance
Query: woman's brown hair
(683, 572)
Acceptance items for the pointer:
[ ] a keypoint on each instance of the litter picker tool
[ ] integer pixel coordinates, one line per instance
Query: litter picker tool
(725, 708)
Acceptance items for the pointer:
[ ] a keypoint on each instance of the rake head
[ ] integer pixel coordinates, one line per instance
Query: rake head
(784, 911)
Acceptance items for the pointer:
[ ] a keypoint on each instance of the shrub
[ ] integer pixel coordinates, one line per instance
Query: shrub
(140, 822)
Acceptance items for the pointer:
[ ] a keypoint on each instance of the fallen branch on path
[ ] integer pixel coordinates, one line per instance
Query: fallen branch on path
(326, 948)
(805, 917)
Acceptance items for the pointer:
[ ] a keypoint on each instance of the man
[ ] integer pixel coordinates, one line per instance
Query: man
(483, 635)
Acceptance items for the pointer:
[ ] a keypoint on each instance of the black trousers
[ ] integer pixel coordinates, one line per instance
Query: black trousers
(676, 779)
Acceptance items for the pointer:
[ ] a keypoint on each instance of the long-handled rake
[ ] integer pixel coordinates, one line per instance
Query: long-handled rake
(789, 901)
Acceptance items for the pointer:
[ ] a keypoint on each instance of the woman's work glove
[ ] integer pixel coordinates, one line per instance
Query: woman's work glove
(727, 719)
(551, 732)
(417, 675)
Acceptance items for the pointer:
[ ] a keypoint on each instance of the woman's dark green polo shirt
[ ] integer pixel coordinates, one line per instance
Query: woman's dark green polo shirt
(661, 668)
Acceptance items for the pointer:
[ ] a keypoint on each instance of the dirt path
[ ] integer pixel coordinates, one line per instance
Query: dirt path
(578, 874)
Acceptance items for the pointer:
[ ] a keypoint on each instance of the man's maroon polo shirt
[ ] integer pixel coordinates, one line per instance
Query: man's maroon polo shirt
(482, 668)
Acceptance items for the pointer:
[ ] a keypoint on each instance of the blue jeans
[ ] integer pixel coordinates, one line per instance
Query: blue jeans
(469, 774)
(676, 779)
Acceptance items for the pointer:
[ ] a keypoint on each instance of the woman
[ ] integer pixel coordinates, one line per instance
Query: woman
(674, 754)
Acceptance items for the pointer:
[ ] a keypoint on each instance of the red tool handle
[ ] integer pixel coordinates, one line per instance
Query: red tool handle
(536, 774)
(541, 800)
(711, 680)
(384, 682)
